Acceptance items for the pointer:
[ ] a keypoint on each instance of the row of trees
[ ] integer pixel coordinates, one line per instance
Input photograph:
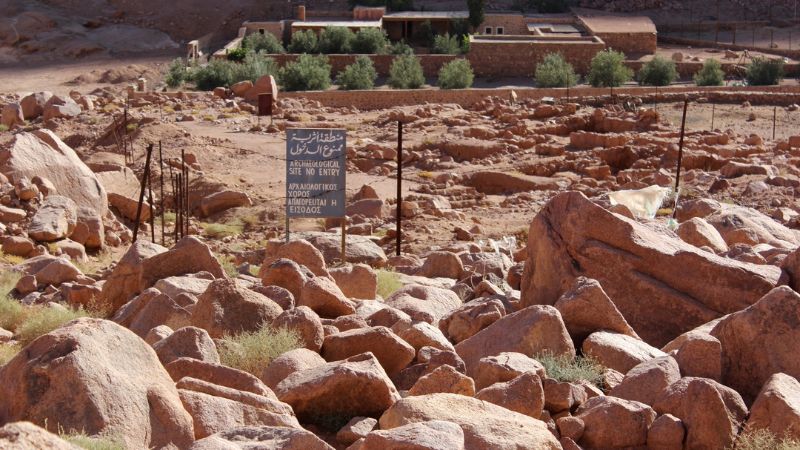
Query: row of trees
(309, 72)
(608, 69)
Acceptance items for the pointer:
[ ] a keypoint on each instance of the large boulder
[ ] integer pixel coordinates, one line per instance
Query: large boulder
(125, 280)
(524, 394)
(777, 407)
(27, 436)
(432, 435)
(684, 286)
(95, 376)
(42, 152)
(296, 360)
(221, 201)
(225, 308)
(325, 298)
(586, 308)
(711, 412)
(485, 425)
(357, 386)
(217, 408)
(251, 438)
(123, 190)
(611, 422)
(393, 353)
(533, 330)
(187, 342)
(189, 255)
(424, 303)
(647, 381)
(759, 341)
(743, 225)
(55, 219)
(618, 351)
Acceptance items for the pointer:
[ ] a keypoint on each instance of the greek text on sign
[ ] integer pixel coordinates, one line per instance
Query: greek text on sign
(315, 172)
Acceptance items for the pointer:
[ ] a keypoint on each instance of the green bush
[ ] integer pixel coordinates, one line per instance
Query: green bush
(711, 74)
(176, 73)
(252, 352)
(406, 73)
(444, 44)
(254, 66)
(764, 71)
(304, 42)
(266, 42)
(659, 71)
(369, 41)
(608, 69)
(237, 54)
(336, 40)
(399, 48)
(555, 71)
(307, 73)
(216, 73)
(564, 368)
(456, 74)
(388, 283)
(423, 33)
(359, 75)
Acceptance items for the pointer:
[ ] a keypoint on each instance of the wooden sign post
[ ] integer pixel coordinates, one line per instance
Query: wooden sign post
(316, 175)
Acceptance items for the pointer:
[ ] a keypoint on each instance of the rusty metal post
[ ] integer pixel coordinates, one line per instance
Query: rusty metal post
(399, 231)
(680, 156)
(179, 206)
(152, 211)
(774, 120)
(161, 203)
(141, 193)
(713, 112)
(185, 192)
(344, 240)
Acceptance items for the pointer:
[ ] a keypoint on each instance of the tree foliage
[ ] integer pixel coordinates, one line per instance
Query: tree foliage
(336, 40)
(477, 12)
(406, 73)
(456, 74)
(608, 69)
(659, 71)
(266, 42)
(359, 75)
(307, 73)
(765, 71)
(444, 44)
(555, 71)
(370, 41)
(711, 74)
(176, 73)
(304, 42)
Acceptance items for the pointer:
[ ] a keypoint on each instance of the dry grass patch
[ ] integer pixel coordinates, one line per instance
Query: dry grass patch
(87, 442)
(253, 351)
(388, 282)
(764, 440)
(41, 320)
(566, 369)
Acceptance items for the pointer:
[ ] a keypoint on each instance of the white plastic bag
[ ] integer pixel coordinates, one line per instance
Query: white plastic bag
(643, 203)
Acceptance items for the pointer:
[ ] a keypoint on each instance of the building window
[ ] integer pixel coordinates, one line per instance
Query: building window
(488, 30)
(500, 30)
(261, 30)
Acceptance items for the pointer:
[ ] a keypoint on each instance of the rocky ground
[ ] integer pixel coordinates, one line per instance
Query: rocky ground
(542, 298)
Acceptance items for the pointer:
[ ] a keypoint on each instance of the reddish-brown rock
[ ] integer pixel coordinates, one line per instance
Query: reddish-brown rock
(226, 308)
(611, 422)
(530, 331)
(393, 353)
(572, 237)
(524, 394)
(777, 407)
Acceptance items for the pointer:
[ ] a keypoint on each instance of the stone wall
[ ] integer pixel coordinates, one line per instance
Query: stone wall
(276, 28)
(381, 99)
(511, 23)
(519, 59)
(793, 54)
(631, 43)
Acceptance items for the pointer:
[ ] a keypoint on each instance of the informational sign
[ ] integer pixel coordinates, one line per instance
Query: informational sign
(315, 172)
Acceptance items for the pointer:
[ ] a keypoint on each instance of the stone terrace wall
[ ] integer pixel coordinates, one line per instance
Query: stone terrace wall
(519, 59)
(630, 43)
(381, 99)
(794, 54)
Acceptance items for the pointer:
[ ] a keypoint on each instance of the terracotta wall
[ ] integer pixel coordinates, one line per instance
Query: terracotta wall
(511, 23)
(631, 43)
(381, 99)
(519, 59)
